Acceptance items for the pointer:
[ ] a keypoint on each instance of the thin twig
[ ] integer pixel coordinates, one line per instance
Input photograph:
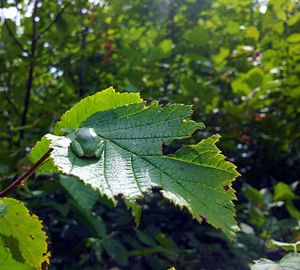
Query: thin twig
(57, 17)
(31, 70)
(11, 34)
(26, 174)
(82, 60)
(13, 37)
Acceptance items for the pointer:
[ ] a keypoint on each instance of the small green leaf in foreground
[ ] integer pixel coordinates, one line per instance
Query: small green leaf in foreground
(23, 243)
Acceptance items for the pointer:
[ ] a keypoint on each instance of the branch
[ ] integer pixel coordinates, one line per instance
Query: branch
(57, 17)
(82, 60)
(18, 43)
(31, 70)
(8, 98)
(26, 174)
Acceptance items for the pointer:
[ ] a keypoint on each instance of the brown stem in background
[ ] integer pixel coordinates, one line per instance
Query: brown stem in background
(10, 32)
(171, 35)
(13, 37)
(82, 60)
(30, 71)
(26, 174)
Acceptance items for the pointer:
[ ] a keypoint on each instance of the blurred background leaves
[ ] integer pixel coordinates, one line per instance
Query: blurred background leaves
(237, 62)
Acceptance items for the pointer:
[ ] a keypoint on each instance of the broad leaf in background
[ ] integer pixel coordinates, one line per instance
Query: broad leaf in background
(288, 262)
(196, 177)
(84, 199)
(23, 241)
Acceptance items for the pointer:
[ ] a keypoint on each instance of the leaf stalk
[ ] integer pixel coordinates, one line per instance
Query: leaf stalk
(26, 174)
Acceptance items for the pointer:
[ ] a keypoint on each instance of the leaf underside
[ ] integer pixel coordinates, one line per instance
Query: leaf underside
(132, 161)
(288, 262)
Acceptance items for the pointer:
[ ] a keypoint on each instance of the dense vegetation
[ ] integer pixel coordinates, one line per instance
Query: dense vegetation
(237, 63)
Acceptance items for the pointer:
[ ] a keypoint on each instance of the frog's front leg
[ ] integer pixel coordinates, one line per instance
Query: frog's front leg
(77, 149)
(100, 149)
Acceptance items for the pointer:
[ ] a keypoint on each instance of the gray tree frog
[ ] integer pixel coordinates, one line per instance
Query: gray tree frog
(86, 143)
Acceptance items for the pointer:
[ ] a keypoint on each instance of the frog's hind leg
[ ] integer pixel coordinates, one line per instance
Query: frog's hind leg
(77, 149)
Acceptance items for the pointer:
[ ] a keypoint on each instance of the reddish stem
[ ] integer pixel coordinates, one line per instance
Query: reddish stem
(26, 174)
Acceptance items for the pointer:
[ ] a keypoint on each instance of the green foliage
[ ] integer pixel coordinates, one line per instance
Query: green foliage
(236, 62)
(23, 241)
(102, 101)
(8, 262)
(288, 262)
(132, 161)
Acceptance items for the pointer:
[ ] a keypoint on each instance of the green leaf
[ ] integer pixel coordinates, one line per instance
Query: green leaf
(145, 238)
(252, 32)
(220, 57)
(293, 38)
(283, 192)
(136, 210)
(253, 195)
(84, 195)
(196, 177)
(8, 262)
(162, 51)
(84, 199)
(39, 149)
(255, 77)
(247, 82)
(3, 209)
(4, 169)
(283, 245)
(293, 211)
(101, 101)
(116, 250)
(288, 262)
(166, 46)
(22, 232)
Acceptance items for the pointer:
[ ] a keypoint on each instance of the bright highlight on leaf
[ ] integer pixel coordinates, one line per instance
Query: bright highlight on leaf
(288, 262)
(131, 163)
(104, 100)
(23, 243)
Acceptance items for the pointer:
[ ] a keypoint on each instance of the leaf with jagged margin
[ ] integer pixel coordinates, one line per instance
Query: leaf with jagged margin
(39, 149)
(105, 100)
(288, 262)
(22, 232)
(101, 101)
(196, 177)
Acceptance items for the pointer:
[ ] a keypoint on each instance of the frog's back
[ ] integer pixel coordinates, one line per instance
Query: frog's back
(88, 140)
